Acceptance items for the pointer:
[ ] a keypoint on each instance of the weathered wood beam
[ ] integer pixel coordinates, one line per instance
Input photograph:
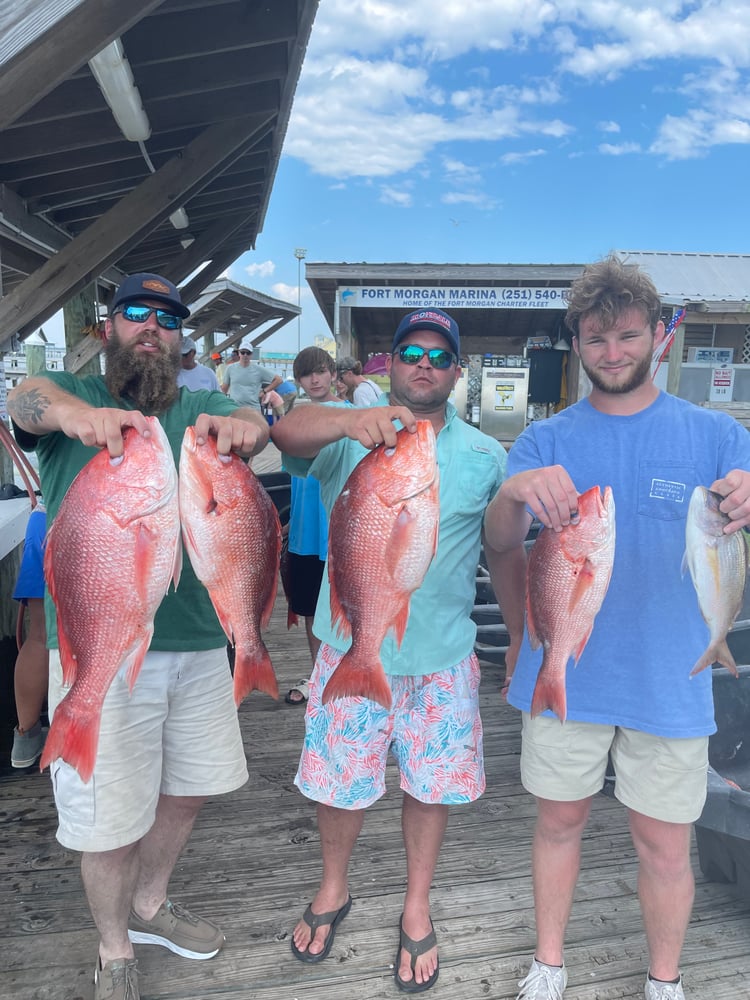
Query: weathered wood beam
(214, 323)
(120, 229)
(69, 43)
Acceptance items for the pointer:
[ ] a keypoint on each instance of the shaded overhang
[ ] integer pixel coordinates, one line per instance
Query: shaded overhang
(234, 312)
(78, 202)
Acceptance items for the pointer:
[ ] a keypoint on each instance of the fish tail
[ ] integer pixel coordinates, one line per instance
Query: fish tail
(717, 652)
(549, 693)
(74, 737)
(253, 671)
(351, 680)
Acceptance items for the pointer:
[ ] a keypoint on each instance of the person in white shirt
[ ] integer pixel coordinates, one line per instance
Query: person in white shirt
(193, 375)
(363, 390)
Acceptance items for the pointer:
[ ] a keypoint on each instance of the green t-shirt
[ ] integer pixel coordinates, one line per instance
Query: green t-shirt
(186, 619)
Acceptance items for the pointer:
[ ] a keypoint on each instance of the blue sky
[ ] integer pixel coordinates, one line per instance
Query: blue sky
(509, 131)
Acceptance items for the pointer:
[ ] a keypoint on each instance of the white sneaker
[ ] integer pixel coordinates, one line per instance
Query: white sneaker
(544, 982)
(656, 990)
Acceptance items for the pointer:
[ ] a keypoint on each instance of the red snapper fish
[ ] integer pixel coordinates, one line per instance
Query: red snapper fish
(232, 535)
(568, 576)
(382, 538)
(111, 552)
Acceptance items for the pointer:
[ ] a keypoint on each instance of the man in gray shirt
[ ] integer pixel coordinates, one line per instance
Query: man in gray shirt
(247, 383)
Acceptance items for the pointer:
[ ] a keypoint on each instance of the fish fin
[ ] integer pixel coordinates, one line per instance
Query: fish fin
(717, 652)
(67, 659)
(144, 554)
(339, 620)
(685, 564)
(74, 737)
(404, 525)
(352, 679)
(265, 615)
(292, 618)
(253, 671)
(549, 693)
(67, 656)
(134, 657)
(582, 645)
(584, 581)
(534, 640)
(400, 622)
(177, 565)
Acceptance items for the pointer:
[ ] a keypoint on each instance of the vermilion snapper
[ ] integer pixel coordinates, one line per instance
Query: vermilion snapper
(718, 567)
(382, 537)
(568, 576)
(232, 534)
(111, 552)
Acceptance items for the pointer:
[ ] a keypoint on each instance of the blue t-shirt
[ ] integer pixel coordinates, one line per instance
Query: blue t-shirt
(308, 521)
(440, 632)
(635, 669)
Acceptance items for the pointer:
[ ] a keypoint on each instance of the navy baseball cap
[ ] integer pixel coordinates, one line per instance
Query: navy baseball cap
(138, 287)
(429, 319)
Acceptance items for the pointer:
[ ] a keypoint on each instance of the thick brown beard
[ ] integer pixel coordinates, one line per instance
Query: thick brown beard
(149, 380)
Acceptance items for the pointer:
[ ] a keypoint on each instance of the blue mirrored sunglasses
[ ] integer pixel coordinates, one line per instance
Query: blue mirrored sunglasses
(412, 354)
(139, 314)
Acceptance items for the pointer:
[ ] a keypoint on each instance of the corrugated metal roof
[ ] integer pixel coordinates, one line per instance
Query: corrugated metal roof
(712, 278)
(23, 21)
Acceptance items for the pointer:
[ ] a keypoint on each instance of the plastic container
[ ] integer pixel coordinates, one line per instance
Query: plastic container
(723, 830)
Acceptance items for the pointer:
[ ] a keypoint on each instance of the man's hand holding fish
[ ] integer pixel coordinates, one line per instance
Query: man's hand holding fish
(548, 492)
(240, 434)
(734, 487)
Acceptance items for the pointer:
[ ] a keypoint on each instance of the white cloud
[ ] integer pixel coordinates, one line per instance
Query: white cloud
(475, 199)
(694, 134)
(262, 269)
(392, 196)
(619, 149)
(511, 159)
(289, 293)
(382, 91)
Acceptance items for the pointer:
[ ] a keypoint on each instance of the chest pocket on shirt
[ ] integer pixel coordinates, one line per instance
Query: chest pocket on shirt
(665, 488)
(476, 480)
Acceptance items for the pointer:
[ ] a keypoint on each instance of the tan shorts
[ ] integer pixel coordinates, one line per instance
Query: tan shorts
(658, 777)
(176, 734)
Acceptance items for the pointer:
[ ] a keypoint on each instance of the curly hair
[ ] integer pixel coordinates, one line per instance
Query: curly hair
(607, 289)
(310, 359)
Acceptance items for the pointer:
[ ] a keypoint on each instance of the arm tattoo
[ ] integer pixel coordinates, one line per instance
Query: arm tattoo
(28, 408)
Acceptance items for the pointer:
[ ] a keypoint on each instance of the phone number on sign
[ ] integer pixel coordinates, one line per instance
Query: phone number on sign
(536, 295)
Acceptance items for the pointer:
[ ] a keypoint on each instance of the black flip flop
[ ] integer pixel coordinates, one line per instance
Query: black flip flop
(415, 949)
(315, 920)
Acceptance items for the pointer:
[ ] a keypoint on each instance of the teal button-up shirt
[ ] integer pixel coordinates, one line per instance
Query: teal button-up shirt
(440, 632)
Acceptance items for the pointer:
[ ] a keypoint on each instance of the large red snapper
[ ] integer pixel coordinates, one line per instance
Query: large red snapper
(111, 552)
(718, 567)
(568, 576)
(381, 540)
(232, 534)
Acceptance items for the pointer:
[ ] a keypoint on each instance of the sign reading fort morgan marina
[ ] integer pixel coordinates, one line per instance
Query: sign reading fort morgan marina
(478, 297)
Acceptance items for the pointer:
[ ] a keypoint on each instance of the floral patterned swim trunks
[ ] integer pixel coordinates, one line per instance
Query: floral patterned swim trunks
(433, 729)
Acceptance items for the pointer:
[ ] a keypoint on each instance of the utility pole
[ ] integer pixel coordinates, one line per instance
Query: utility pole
(300, 254)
